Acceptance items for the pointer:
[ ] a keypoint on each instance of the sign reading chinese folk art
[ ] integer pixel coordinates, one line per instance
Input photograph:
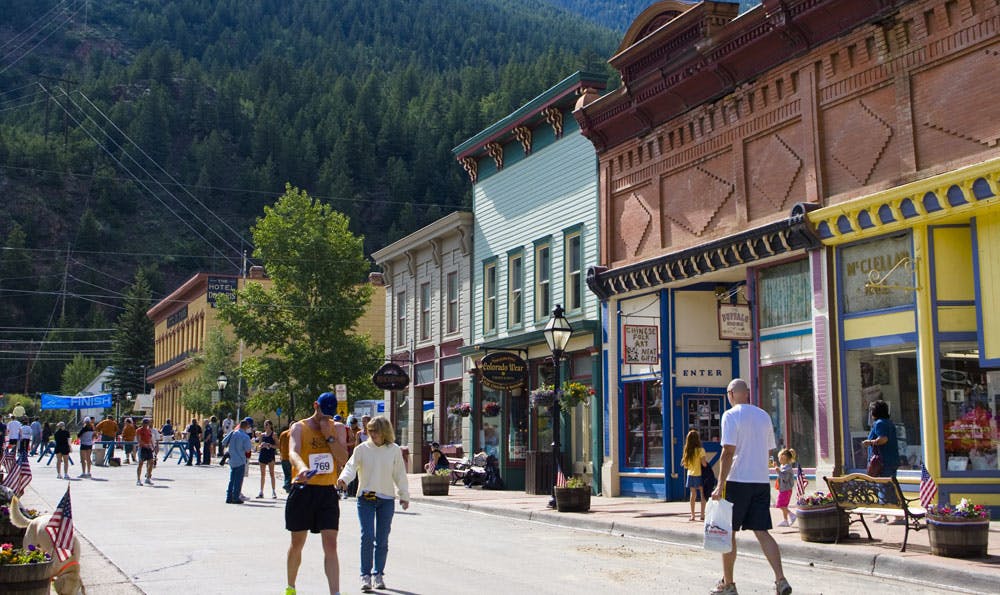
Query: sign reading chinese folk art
(642, 344)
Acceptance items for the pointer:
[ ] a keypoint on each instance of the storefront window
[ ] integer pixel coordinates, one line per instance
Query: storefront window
(518, 419)
(644, 434)
(402, 405)
(784, 294)
(452, 398)
(890, 374)
(787, 395)
(490, 435)
(970, 401)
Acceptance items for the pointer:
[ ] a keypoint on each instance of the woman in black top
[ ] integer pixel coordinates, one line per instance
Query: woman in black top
(194, 442)
(61, 437)
(265, 456)
(46, 434)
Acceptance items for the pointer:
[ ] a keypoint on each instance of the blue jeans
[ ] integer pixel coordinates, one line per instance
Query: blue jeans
(376, 521)
(235, 483)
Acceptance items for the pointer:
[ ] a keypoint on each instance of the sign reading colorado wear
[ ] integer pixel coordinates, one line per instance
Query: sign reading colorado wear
(390, 377)
(502, 370)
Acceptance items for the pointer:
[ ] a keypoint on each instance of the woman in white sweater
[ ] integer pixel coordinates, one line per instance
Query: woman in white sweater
(378, 465)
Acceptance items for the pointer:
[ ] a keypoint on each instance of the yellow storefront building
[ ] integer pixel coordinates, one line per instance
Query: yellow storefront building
(915, 273)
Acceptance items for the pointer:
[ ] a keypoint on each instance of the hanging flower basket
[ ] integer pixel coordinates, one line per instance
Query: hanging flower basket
(491, 409)
(543, 396)
(574, 393)
(959, 531)
(461, 410)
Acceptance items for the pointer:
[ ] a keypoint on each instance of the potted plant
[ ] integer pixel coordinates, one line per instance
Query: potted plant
(491, 409)
(24, 570)
(461, 410)
(959, 531)
(574, 393)
(575, 497)
(436, 483)
(543, 396)
(8, 532)
(819, 519)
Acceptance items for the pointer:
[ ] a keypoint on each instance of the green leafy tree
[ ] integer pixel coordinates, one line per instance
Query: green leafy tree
(132, 347)
(301, 325)
(196, 394)
(78, 373)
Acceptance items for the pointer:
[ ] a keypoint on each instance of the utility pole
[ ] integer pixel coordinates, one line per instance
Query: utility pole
(65, 278)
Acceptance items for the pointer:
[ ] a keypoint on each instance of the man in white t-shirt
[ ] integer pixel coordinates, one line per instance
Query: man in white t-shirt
(14, 432)
(747, 441)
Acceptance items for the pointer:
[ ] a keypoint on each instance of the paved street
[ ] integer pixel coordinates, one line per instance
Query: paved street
(179, 535)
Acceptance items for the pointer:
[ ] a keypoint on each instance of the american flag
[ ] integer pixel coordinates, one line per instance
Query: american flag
(60, 528)
(928, 489)
(560, 477)
(800, 482)
(19, 478)
(8, 459)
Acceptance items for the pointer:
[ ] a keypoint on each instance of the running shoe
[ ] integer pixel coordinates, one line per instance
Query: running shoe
(366, 583)
(378, 581)
(781, 587)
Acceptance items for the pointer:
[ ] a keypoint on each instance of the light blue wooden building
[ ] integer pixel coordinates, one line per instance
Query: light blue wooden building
(535, 202)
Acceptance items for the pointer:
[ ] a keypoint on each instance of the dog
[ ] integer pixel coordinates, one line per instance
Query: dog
(66, 577)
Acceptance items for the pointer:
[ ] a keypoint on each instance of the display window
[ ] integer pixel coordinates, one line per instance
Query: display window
(402, 417)
(890, 374)
(788, 397)
(644, 419)
(452, 398)
(970, 397)
(491, 422)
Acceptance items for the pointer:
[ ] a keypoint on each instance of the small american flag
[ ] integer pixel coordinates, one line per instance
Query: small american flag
(928, 489)
(800, 482)
(8, 459)
(560, 477)
(19, 478)
(60, 528)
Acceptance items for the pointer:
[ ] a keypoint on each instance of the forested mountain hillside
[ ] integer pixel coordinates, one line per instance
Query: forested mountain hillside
(615, 14)
(150, 133)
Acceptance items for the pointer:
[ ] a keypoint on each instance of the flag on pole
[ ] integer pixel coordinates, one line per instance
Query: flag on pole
(560, 476)
(60, 528)
(800, 482)
(8, 460)
(19, 478)
(928, 489)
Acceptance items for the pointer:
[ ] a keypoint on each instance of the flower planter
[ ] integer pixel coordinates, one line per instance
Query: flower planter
(573, 499)
(958, 538)
(822, 524)
(434, 485)
(25, 579)
(11, 534)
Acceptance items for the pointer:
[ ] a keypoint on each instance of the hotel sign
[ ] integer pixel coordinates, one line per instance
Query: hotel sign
(502, 370)
(735, 322)
(221, 286)
(178, 316)
(642, 344)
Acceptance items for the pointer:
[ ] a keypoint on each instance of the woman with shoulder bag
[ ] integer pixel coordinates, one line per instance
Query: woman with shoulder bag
(883, 447)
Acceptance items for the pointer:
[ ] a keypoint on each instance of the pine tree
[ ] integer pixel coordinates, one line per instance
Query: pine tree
(133, 339)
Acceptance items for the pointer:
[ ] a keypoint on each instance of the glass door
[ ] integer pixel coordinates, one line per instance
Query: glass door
(644, 424)
(787, 396)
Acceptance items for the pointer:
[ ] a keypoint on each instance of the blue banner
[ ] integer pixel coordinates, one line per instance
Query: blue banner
(79, 402)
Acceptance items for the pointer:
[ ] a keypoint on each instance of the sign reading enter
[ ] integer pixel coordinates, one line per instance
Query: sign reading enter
(642, 345)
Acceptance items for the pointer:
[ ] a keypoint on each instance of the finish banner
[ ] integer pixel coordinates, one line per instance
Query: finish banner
(79, 402)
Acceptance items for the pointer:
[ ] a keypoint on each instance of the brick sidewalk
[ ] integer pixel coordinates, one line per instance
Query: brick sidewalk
(668, 522)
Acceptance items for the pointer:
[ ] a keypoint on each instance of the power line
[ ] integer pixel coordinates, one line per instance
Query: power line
(35, 22)
(40, 42)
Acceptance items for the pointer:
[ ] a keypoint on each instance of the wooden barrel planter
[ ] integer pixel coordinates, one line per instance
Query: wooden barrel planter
(958, 539)
(573, 499)
(822, 524)
(25, 579)
(11, 534)
(434, 485)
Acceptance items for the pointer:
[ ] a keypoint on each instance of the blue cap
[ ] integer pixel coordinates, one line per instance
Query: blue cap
(337, 418)
(327, 403)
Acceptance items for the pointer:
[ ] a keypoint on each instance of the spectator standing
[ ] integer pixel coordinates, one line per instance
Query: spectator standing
(3, 434)
(14, 432)
(882, 440)
(147, 452)
(167, 433)
(208, 440)
(61, 437)
(194, 442)
(86, 437)
(36, 435)
(265, 457)
(238, 447)
(378, 465)
(227, 428)
(108, 429)
(26, 434)
(317, 447)
(747, 441)
(128, 439)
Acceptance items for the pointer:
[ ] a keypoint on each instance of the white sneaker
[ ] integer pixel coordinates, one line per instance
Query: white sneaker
(792, 517)
(149, 481)
(783, 524)
(274, 494)
(260, 495)
(58, 476)
(378, 581)
(366, 583)
(138, 483)
(244, 498)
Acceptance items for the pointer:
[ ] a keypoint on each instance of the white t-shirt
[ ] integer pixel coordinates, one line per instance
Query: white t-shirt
(749, 429)
(13, 430)
(26, 433)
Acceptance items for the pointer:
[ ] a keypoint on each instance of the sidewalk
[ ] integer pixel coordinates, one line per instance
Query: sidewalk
(668, 522)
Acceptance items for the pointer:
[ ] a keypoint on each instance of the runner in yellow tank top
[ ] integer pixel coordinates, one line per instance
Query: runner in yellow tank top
(318, 451)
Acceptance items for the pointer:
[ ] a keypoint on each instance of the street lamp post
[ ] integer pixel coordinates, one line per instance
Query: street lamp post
(557, 333)
(221, 381)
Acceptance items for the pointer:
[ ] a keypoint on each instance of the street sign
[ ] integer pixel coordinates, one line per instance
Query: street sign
(216, 397)
(278, 411)
(341, 391)
(391, 377)
(342, 409)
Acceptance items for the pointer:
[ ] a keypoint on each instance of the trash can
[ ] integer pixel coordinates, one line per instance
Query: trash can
(97, 456)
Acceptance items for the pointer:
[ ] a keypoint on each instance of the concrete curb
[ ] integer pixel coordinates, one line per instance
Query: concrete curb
(879, 564)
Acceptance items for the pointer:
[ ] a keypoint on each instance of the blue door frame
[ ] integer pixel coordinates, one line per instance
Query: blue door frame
(685, 397)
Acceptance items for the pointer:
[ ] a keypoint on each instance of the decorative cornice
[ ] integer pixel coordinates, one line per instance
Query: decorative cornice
(522, 134)
(471, 167)
(554, 118)
(781, 237)
(495, 150)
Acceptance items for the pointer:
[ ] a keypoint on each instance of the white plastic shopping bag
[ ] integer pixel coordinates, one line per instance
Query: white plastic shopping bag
(719, 526)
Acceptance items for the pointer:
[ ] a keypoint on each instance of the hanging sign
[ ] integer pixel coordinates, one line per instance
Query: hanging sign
(76, 402)
(642, 344)
(735, 323)
(391, 377)
(502, 370)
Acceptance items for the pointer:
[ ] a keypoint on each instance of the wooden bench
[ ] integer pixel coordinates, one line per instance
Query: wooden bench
(459, 467)
(859, 494)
